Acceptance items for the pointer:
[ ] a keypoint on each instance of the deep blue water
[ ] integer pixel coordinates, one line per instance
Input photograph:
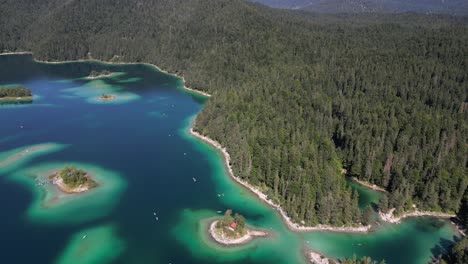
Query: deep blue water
(143, 139)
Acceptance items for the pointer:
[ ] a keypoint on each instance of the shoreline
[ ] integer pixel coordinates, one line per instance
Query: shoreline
(104, 99)
(263, 197)
(114, 63)
(100, 76)
(316, 258)
(390, 218)
(58, 182)
(249, 236)
(62, 187)
(369, 185)
(16, 98)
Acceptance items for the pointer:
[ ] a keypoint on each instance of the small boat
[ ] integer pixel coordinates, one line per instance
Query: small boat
(219, 195)
(154, 213)
(84, 236)
(377, 223)
(157, 218)
(185, 153)
(194, 179)
(219, 212)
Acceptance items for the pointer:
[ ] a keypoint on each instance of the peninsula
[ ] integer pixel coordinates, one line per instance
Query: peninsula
(232, 231)
(15, 93)
(72, 180)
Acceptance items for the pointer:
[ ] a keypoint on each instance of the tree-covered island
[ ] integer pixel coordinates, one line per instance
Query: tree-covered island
(73, 180)
(15, 93)
(232, 230)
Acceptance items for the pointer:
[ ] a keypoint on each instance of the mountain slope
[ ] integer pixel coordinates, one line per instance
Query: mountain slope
(296, 97)
(453, 7)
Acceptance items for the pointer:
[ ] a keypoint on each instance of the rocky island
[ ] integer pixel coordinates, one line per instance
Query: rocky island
(106, 97)
(232, 231)
(72, 180)
(100, 74)
(15, 94)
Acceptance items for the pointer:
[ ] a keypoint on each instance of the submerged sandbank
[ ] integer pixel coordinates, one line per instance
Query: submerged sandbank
(191, 230)
(51, 205)
(93, 92)
(94, 245)
(12, 159)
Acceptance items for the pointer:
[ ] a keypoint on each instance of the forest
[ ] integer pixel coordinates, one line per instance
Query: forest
(16, 91)
(299, 100)
(74, 177)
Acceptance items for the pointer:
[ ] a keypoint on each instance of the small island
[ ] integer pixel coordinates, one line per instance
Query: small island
(15, 94)
(106, 97)
(72, 180)
(232, 231)
(100, 74)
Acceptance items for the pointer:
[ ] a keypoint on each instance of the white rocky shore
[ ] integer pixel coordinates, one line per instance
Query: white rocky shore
(316, 258)
(391, 218)
(291, 225)
(220, 238)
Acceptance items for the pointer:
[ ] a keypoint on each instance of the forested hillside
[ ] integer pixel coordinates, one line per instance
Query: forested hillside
(453, 7)
(296, 97)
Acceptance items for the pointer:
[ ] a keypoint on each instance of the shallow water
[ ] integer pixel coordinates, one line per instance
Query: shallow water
(139, 143)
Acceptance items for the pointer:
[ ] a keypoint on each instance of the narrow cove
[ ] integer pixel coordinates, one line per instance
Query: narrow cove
(144, 137)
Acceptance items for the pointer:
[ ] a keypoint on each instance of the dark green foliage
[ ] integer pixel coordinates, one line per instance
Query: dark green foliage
(458, 254)
(463, 213)
(17, 91)
(227, 219)
(240, 221)
(367, 216)
(363, 260)
(296, 97)
(74, 177)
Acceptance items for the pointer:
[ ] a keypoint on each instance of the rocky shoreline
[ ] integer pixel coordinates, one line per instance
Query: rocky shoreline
(391, 218)
(291, 225)
(221, 239)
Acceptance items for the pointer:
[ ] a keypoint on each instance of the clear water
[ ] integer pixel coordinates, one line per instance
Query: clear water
(140, 147)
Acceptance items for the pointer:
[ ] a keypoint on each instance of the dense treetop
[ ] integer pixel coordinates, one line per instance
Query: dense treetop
(74, 177)
(455, 7)
(15, 91)
(296, 97)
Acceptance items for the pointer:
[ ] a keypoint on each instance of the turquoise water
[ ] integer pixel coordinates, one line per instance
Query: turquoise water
(139, 149)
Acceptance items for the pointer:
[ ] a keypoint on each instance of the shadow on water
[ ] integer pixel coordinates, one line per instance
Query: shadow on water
(16, 102)
(443, 246)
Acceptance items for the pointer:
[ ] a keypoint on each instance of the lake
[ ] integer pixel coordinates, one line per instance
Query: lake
(151, 209)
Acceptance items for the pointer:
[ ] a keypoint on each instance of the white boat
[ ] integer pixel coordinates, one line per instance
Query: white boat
(194, 179)
(84, 236)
